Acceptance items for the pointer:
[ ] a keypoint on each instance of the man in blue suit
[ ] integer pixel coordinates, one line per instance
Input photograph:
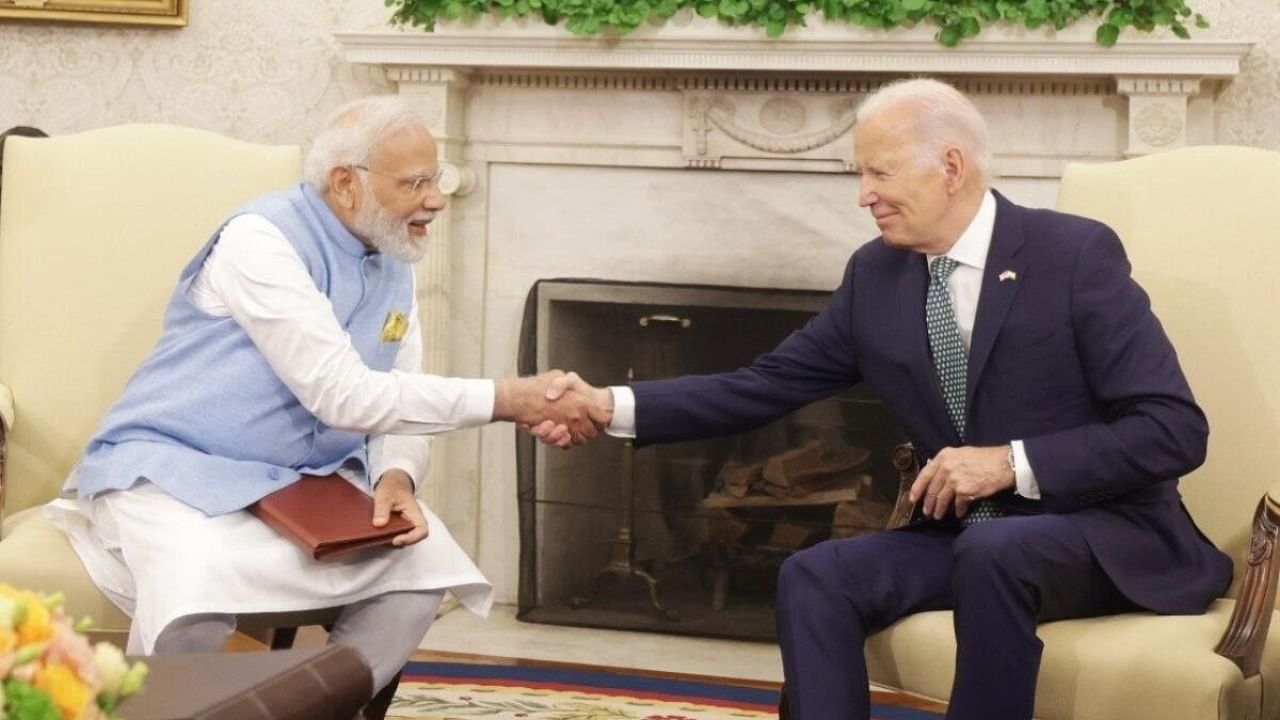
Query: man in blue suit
(1026, 366)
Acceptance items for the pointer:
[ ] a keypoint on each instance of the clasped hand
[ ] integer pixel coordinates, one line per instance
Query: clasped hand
(559, 408)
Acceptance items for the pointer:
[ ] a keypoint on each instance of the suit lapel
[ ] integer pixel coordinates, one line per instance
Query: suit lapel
(997, 294)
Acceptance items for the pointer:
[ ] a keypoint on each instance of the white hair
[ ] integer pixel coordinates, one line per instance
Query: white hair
(940, 117)
(352, 133)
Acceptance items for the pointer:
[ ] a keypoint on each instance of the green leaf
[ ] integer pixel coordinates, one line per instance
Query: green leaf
(1107, 35)
(956, 19)
(1120, 16)
(950, 35)
(25, 702)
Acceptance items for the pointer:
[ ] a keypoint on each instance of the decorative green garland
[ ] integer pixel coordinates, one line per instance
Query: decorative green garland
(956, 19)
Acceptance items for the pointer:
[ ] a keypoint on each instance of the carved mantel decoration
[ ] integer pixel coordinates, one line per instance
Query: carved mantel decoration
(1158, 76)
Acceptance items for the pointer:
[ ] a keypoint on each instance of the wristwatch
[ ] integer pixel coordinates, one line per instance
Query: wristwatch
(1013, 468)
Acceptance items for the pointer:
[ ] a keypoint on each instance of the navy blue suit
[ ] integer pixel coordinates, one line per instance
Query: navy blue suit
(1067, 357)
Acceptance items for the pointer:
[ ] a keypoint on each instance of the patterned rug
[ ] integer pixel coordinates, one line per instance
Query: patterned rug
(444, 690)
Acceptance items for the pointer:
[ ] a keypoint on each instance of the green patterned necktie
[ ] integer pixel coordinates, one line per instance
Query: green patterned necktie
(951, 362)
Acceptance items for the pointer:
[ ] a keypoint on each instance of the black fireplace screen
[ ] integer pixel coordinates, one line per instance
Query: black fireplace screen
(687, 537)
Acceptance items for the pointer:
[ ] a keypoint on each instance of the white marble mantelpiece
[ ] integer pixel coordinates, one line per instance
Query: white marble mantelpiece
(696, 153)
(1159, 80)
(819, 49)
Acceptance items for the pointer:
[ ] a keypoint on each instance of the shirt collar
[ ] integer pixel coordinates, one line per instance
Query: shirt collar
(971, 249)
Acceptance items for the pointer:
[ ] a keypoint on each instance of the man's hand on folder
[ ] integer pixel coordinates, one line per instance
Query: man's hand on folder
(395, 492)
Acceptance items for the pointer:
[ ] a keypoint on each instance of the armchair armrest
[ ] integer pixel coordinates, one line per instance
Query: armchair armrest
(1246, 632)
(6, 423)
(908, 466)
(6, 408)
(2, 438)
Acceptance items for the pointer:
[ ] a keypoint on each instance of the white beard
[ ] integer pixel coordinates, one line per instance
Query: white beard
(388, 233)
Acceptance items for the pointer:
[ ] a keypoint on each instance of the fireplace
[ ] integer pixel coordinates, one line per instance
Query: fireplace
(686, 537)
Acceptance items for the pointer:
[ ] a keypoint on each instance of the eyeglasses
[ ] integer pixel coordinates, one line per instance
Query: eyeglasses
(415, 186)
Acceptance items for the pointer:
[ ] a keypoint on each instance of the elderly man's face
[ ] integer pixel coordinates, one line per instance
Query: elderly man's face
(906, 193)
(402, 195)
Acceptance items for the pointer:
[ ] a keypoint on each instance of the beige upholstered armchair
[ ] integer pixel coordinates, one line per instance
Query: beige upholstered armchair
(1202, 229)
(94, 229)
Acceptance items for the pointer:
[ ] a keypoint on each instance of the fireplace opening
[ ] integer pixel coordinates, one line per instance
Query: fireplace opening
(686, 537)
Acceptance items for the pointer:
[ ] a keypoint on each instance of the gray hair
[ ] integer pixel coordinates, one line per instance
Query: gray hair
(941, 117)
(352, 133)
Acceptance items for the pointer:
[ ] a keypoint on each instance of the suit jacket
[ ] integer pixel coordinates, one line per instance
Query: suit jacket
(1066, 357)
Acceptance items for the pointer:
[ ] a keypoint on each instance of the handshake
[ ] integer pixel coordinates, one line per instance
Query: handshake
(558, 408)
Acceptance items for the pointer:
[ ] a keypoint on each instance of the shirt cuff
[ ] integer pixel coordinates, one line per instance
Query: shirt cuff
(1024, 477)
(623, 422)
(477, 403)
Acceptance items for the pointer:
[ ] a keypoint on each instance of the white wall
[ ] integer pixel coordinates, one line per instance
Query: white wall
(269, 71)
(260, 71)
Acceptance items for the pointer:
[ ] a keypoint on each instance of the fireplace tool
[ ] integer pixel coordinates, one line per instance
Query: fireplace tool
(622, 556)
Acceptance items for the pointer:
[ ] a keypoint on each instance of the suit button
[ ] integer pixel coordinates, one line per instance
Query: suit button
(274, 473)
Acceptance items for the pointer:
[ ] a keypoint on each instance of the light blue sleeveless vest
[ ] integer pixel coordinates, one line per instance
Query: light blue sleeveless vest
(206, 418)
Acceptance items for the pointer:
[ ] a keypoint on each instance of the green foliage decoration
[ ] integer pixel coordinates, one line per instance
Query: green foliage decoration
(955, 19)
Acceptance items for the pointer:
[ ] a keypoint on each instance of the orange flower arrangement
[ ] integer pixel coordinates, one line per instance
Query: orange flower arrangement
(48, 670)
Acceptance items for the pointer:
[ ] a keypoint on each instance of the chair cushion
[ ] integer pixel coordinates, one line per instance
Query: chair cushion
(29, 535)
(37, 556)
(1137, 665)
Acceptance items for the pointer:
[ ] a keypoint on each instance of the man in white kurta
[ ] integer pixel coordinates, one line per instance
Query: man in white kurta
(276, 361)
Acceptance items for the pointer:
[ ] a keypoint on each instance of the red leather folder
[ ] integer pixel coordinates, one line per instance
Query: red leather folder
(327, 516)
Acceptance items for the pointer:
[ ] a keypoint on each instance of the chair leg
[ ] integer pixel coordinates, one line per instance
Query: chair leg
(282, 638)
(378, 706)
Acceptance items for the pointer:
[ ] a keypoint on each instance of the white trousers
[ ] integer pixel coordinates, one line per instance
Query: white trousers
(384, 629)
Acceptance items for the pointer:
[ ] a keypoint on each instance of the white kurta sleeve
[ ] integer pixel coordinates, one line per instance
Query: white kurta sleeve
(255, 276)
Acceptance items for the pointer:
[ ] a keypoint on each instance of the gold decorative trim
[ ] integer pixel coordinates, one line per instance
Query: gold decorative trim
(155, 13)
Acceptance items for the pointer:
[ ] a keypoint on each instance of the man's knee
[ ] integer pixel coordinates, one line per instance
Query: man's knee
(834, 567)
(205, 632)
(1008, 550)
(802, 569)
(984, 545)
(818, 566)
(1015, 544)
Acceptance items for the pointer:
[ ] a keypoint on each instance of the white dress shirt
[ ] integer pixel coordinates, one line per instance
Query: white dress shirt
(254, 275)
(964, 286)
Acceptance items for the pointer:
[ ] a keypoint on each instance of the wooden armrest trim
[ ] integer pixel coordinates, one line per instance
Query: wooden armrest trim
(904, 459)
(1246, 633)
